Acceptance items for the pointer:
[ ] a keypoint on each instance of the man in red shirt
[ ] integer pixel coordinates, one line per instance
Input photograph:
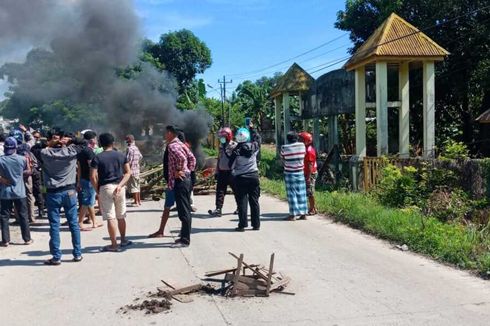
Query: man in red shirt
(310, 169)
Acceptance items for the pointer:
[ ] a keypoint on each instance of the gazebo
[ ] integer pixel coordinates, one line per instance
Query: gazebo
(398, 44)
(295, 82)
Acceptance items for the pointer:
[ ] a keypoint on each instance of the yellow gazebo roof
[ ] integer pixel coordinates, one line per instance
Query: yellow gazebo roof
(296, 79)
(396, 40)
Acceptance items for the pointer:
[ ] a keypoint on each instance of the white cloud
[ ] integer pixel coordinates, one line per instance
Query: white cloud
(170, 21)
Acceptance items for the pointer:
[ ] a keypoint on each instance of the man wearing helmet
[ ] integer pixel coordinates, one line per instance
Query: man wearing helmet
(224, 177)
(243, 163)
(310, 170)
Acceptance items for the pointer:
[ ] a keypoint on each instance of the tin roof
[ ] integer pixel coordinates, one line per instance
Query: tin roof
(484, 117)
(396, 39)
(296, 79)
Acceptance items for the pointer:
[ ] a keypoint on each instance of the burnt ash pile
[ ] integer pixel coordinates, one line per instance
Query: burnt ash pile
(84, 54)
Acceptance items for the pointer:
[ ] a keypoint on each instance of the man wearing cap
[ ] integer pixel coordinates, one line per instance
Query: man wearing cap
(12, 191)
(133, 156)
(181, 162)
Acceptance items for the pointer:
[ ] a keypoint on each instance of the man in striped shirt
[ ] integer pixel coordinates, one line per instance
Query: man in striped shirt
(293, 155)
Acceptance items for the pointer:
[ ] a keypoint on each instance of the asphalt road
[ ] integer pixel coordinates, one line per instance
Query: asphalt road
(340, 276)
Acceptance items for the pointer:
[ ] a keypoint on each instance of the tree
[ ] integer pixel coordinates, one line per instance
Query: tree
(181, 53)
(253, 99)
(458, 100)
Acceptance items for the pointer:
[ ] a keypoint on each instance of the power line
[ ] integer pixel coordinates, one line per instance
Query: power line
(292, 58)
(301, 62)
(405, 36)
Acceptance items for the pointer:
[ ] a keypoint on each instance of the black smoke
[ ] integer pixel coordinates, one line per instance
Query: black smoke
(79, 49)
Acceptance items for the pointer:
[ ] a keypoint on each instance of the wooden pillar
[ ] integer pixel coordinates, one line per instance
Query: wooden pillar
(382, 108)
(360, 91)
(287, 121)
(404, 111)
(278, 123)
(333, 137)
(316, 133)
(429, 108)
(304, 123)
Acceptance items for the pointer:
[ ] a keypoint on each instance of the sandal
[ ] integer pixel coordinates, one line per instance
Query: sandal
(156, 235)
(126, 243)
(52, 262)
(302, 217)
(28, 242)
(290, 218)
(109, 248)
(86, 229)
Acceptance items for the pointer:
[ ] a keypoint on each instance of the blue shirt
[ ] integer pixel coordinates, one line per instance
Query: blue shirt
(12, 168)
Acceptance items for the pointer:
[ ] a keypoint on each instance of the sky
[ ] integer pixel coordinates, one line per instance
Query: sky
(246, 36)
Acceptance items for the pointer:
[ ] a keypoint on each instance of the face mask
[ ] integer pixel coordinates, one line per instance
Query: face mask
(222, 140)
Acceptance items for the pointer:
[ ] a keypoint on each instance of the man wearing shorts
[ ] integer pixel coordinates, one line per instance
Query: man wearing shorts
(109, 174)
(84, 186)
(133, 155)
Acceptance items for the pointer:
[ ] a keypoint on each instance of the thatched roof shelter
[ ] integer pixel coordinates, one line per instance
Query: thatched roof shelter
(396, 40)
(296, 79)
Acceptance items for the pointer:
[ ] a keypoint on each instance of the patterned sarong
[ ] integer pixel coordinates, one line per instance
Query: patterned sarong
(296, 191)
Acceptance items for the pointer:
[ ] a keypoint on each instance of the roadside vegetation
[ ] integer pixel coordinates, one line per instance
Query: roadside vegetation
(441, 232)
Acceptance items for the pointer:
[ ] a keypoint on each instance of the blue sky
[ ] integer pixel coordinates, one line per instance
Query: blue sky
(246, 36)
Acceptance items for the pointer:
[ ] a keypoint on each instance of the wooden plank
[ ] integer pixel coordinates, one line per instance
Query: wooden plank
(224, 271)
(184, 290)
(250, 267)
(280, 284)
(251, 281)
(269, 278)
(237, 275)
(182, 298)
(168, 284)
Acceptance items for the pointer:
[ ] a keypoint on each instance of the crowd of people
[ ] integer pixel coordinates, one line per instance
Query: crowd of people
(63, 172)
(237, 168)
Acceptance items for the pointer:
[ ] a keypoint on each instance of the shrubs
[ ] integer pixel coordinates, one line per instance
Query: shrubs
(434, 191)
(454, 150)
(269, 166)
(398, 187)
(447, 205)
(463, 246)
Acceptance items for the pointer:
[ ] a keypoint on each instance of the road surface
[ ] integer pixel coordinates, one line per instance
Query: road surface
(340, 276)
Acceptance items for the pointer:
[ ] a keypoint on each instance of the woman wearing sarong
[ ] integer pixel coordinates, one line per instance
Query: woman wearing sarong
(293, 155)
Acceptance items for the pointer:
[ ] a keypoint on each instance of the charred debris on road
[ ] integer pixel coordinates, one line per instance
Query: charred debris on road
(243, 280)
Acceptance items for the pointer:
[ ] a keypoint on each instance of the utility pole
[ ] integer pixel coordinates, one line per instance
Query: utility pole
(223, 85)
(222, 105)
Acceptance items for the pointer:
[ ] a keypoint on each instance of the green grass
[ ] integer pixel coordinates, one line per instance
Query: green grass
(210, 152)
(455, 244)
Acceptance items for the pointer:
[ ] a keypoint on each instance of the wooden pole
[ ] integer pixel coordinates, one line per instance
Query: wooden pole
(360, 91)
(287, 121)
(404, 111)
(269, 276)
(429, 108)
(382, 108)
(278, 123)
